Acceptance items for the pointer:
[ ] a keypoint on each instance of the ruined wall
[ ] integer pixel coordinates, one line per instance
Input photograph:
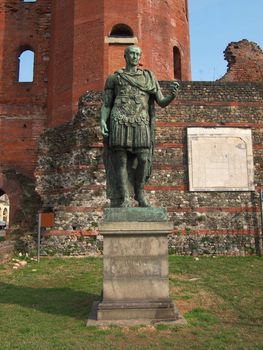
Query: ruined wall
(71, 177)
(245, 62)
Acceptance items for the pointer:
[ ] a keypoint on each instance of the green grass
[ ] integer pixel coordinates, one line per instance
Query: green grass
(221, 298)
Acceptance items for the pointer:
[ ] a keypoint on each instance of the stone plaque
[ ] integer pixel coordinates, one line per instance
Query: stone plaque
(220, 159)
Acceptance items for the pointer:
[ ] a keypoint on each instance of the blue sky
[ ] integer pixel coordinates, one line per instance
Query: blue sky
(214, 24)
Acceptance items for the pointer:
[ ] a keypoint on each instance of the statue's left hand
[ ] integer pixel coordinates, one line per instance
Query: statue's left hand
(174, 87)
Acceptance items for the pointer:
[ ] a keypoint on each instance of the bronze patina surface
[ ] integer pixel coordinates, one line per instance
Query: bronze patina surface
(128, 124)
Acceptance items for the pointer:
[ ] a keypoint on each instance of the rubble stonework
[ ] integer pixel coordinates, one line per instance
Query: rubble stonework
(71, 177)
(212, 244)
(60, 245)
(245, 62)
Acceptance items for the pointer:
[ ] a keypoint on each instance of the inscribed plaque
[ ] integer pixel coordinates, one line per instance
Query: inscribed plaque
(220, 159)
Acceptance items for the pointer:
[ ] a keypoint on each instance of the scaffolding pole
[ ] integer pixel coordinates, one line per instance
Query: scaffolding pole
(38, 236)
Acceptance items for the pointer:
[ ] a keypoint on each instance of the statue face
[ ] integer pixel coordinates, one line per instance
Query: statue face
(133, 56)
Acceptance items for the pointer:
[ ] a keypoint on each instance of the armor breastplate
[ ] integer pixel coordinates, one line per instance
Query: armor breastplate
(130, 105)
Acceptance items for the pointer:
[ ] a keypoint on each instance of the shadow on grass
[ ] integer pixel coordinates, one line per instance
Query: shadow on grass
(58, 301)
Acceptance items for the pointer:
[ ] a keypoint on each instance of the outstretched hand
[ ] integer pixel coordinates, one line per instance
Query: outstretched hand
(174, 87)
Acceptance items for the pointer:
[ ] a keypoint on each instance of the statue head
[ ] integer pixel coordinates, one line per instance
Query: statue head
(132, 55)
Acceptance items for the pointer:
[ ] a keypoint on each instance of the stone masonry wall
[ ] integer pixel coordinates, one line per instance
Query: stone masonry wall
(71, 177)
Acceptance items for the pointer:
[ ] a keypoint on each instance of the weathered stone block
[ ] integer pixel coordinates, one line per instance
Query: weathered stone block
(220, 159)
(136, 284)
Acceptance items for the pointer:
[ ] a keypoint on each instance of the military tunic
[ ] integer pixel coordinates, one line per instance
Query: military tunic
(129, 122)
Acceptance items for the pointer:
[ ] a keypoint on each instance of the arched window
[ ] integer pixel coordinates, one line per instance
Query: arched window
(177, 63)
(121, 30)
(26, 66)
(121, 36)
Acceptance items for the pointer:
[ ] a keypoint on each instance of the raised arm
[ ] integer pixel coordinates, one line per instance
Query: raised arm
(164, 101)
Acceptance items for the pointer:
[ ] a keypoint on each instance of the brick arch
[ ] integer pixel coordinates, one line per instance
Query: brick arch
(24, 47)
(14, 192)
(121, 30)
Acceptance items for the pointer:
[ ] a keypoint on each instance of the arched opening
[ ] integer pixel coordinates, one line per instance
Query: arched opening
(177, 63)
(26, 66)
(121, 30)
(4, 210)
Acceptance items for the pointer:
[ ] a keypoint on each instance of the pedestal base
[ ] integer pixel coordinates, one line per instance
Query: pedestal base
(176, 319)
(156, 311)
(136, 283)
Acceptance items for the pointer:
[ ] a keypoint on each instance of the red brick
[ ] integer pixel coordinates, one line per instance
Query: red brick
(245, 62)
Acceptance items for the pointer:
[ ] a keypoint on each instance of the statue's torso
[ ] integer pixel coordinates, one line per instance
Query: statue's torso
(130, 104)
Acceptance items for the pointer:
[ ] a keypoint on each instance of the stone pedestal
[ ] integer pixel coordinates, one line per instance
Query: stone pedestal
(136, 285)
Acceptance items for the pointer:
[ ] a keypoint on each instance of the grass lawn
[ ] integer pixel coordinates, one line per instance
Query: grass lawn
(221, 298)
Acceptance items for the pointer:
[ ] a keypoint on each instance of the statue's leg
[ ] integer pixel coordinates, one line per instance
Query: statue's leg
(120, 164)
(141, 171)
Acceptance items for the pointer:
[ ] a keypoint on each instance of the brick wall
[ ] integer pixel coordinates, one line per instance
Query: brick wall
(245, 62)
(71, 178)
(82, 58)
(23, 109)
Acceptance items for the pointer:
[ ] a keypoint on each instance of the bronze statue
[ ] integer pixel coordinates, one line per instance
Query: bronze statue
(127, 123)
